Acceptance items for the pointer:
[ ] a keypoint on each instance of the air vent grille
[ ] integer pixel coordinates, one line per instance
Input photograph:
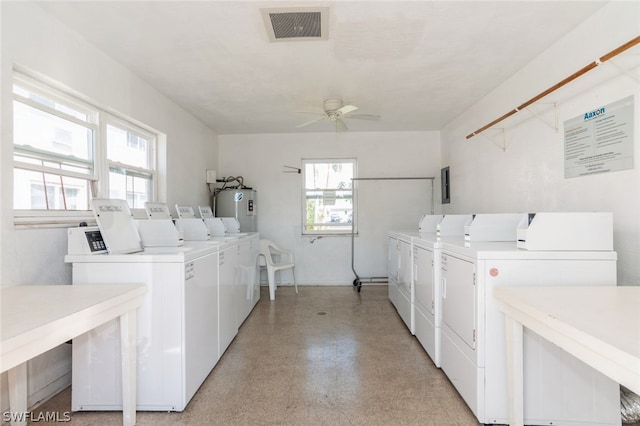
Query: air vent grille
(289, 24)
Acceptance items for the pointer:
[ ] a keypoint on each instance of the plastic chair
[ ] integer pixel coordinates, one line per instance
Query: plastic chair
(268, 250)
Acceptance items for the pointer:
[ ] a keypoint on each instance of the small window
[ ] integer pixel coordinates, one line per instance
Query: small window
(54, 141)
(329, 196)
(131, 156)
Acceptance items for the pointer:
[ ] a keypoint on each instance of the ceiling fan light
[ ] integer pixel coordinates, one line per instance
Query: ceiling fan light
(332, 104)
(335, 111)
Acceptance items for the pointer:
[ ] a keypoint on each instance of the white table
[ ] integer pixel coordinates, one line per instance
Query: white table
(35, 319)
(598, 325)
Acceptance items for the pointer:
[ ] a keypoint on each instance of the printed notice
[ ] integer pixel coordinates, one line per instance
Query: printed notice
(600, 141)
(329, 198)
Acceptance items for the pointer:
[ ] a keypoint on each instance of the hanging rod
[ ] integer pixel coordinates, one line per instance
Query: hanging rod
(555, 87)
(394, 178)
(432, 179)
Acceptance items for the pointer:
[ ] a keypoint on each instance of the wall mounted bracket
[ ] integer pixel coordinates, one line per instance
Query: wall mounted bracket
(553, 125)
(624, 71)
(292, 169)
(500, 141)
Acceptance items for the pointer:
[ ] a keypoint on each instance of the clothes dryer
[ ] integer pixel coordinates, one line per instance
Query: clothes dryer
(427, 306)
(558, 388)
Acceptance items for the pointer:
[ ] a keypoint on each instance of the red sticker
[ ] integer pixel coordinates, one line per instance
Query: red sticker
(493, 272)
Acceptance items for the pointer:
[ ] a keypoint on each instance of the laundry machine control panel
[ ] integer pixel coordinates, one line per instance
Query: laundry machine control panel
(85, 240)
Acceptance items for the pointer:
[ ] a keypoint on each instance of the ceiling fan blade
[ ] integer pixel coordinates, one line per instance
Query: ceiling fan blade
(346, 109)
(364, 116)
(311, 112)
(310, 122)
(341, 126)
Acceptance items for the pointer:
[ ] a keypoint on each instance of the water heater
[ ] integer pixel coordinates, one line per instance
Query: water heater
(239, 203)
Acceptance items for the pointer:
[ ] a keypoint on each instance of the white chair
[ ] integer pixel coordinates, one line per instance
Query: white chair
(274, 259)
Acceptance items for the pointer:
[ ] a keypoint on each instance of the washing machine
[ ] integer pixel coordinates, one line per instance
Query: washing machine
(238, 281)
(177, 323)
(238, 271)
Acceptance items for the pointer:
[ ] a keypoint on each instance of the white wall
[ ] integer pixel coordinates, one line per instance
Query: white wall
(32, 39)
(529, 175)
(382, 205)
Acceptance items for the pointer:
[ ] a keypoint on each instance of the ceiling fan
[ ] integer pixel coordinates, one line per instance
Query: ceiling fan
(335, 111)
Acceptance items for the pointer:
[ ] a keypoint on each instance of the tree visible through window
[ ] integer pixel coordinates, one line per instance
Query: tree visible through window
(328, 199)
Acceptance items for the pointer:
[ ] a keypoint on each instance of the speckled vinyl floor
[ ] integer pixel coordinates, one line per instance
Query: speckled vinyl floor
(327, 356)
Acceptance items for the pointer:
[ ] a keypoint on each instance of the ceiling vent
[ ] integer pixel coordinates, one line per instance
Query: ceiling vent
(295, 24)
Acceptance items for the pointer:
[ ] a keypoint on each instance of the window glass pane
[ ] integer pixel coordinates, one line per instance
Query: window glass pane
(134, 188)
(128, 148)
(43, 100)
(329, 209)
(47, 132)
(37, 190)
(328, 175)
(61, 164)
(328, 196)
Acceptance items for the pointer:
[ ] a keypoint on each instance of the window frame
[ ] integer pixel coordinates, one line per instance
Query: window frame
(110, 119)
(97, 119)
(353, 229)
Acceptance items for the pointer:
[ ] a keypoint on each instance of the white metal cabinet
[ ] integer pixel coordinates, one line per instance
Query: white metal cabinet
(427, 300)
(177, 342)
(558, 389)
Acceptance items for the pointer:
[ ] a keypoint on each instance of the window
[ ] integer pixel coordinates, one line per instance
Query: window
(130, 156)
(66, 151)
(328, 196)
(54, 145)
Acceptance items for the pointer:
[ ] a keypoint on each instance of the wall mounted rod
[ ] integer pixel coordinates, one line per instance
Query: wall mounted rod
(394, 178)
(432, 179)
(556, 86)
(358, 281)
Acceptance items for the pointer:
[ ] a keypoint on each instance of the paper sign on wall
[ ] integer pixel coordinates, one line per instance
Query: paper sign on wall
(600, 141)
(329, 198)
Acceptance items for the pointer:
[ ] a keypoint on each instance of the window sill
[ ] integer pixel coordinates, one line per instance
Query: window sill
(24, 219)
(40, 219)
(334, 234)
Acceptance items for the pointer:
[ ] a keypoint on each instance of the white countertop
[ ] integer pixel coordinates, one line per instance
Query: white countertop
(52, 313)
(599, 325)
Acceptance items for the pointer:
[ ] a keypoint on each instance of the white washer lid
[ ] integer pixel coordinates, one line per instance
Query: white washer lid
(116, 225)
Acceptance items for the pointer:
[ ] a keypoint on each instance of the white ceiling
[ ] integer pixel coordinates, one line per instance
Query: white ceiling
(418, 64)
